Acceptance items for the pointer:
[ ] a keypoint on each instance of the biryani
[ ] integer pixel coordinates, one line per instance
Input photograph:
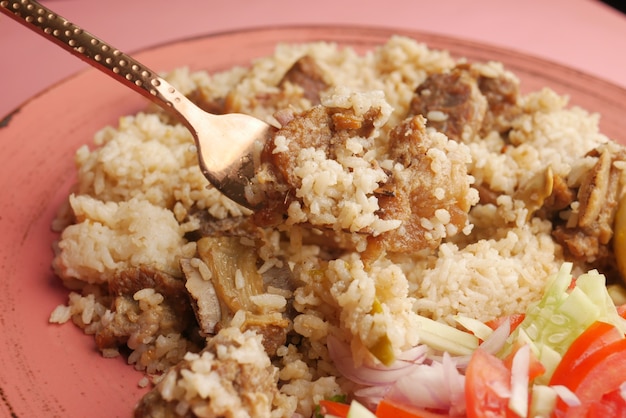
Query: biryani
(405, 187)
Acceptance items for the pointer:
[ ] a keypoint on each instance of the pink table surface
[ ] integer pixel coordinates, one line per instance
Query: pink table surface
(583, 34)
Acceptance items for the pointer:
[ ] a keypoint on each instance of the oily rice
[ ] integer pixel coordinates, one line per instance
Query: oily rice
(139, 190)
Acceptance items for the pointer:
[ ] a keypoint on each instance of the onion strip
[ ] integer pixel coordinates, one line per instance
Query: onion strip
(566, 395)
(518, 402)
(373, 375)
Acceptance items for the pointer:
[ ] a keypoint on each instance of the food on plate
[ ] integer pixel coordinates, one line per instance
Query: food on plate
(427, 229)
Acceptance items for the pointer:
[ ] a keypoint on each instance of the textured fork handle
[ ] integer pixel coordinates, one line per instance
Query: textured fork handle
(96, 52)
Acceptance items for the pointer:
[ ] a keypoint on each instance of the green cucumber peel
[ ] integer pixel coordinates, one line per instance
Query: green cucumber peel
(553, 323)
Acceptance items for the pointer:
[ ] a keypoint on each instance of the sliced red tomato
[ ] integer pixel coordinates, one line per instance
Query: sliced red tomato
(611, 405)
(514, 320)
(597, 335)
(337, 409)
(621, 310)
(391, 409)
(487, 386)
(600, 373)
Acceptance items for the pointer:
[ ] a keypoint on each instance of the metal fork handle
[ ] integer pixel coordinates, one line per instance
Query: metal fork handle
(97, 53)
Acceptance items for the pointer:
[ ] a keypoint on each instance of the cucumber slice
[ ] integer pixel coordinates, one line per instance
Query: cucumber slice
(552, 324)
(442, 337)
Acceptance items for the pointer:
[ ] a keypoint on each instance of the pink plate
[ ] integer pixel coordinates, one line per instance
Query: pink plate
(48, 370)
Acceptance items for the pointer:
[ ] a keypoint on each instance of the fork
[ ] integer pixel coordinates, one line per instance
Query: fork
(228, 146)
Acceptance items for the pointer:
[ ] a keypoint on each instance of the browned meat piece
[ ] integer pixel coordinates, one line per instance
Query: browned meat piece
(320, 128)
(130, 281)
(562, 196)
(274, 332)
(242, 384)
(536, 190)
(452, 103)
(210, 226)
(413, 198)
(173, 315)
(467, 101)
(313, 129)
(487, 196)
(409, 197)
(502, 94)
(588, 232)
(308, 79)
(309, 76)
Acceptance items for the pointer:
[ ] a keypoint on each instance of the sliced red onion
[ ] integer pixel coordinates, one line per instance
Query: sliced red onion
(365, 375)
(497, 339)
(372, 395)
(416, 354)
(425, 387)
(566, 395)
(436, 386)
(456, 383)
(518, 402)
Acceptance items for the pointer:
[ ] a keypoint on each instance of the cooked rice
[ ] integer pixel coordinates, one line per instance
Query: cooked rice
(138, 186)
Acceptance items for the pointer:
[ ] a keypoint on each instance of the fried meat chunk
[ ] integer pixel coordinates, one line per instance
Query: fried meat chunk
(320, 128)
(452, 103)
(429, 193)
(307, 74)
(433, 189)
(138, 318)
(587, 233)
(468, 100)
